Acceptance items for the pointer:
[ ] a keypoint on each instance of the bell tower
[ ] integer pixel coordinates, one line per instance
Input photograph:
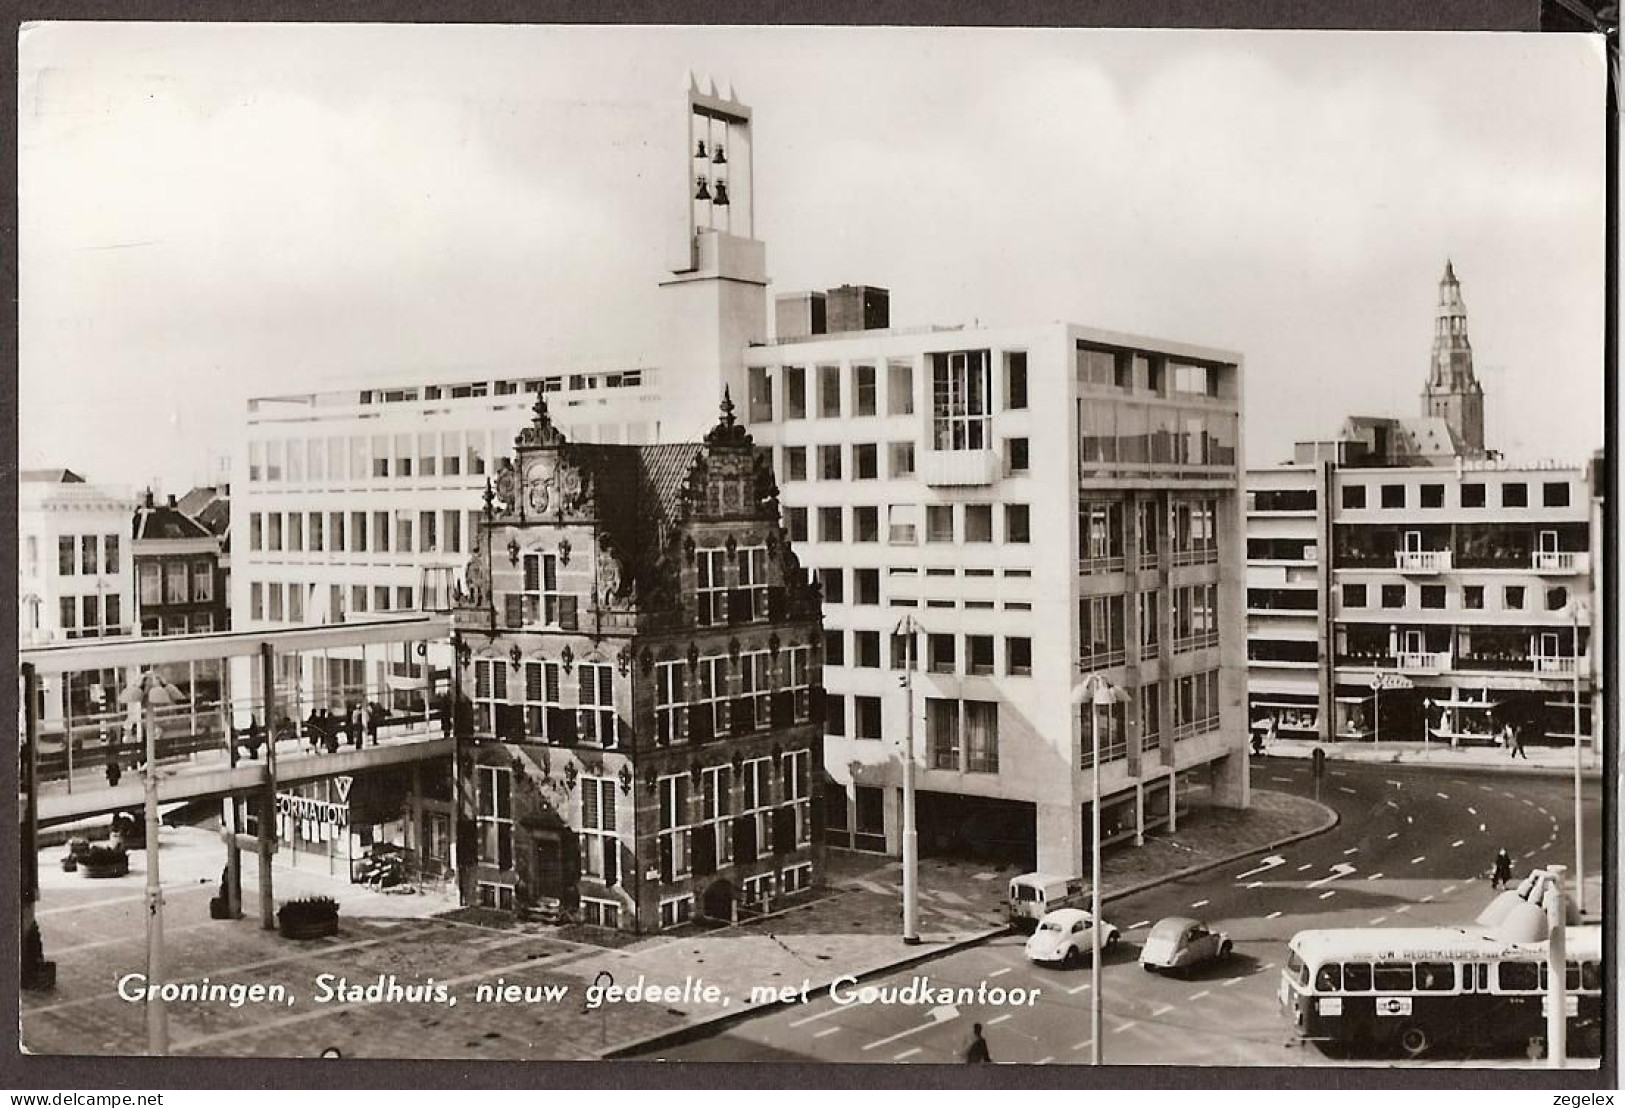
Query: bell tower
(716, 296)
(1453, 392)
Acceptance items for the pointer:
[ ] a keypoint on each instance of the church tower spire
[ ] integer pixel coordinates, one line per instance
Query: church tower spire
(1453, 392)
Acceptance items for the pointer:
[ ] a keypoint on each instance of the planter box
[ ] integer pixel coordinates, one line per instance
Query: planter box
(303, 929)
(106, 869)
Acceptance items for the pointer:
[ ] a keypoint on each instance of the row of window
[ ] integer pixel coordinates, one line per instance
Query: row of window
(540, 712)
(720, 695)
(89, 616)
(1514, 598)
(575, 382)
(1108, 367)
(733, 824)
(176, 582)
(944, 523)
(424, 532)
(941, 654)
(294, 602)
(364, 457)
(753, 892)
(831, 461)
(197, 623)
(76, 554)
(1514, 494)
(1189, 529)
(1407, 977)
(961, 392)
(1194, 707)
(1103, 628)
(1152, 434)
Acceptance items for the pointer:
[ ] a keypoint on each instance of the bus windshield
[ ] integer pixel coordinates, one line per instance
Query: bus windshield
(1296, 971)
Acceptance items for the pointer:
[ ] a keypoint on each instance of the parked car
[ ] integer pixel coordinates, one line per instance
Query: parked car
(1063, 938)
(1181, 943)
(1035, 895)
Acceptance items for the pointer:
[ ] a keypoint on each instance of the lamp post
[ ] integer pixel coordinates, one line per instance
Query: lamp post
(910, 627)
(1099, 693)
(150, 691)
(1557, 1014)
(1577, 612)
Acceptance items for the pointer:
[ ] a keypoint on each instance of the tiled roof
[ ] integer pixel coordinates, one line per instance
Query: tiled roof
(639, 492)
(163, 522)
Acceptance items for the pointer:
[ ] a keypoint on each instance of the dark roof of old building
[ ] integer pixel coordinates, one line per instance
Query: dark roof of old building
(210, 505)
(53, 476)
(166, 521)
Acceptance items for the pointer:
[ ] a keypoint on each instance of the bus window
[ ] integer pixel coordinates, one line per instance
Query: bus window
(1357, 977)
(1296, 970)
(1435, 977)
(1518, 977)
(1394, 977)
(1591, 976)
(1482, 971)
(1329, 979)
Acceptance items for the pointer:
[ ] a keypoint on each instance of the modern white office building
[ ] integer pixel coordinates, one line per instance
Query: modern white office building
(1040, 504)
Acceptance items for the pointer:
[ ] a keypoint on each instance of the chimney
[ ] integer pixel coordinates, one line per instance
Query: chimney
(171, 500)
(798, 315)
(859, 308)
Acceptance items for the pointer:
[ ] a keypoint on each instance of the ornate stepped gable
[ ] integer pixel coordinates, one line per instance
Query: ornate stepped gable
(637, 499)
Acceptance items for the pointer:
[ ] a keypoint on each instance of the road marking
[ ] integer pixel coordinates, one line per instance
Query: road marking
(1410, 819)
(1161, 1009)
(1232, 981)
(1200, 995)
(1341, 869)
(1306, 865)
(1457, 843)
(1482, 828)
(1529, 854)
(1506, 793)
(1078, 989)
(1045, 1061)
(1124, 1027)
(1428, 899)
(1419, 859)
(905, 1054)
(1392, 835)
(810, 1019)
(1346, 789)
(1486, 788)
(1328, 894)
(1199, 904)
(1395, 784)
(1527, 803)
(1472, 811)
(998, 1019)
(1273, 915)
(985, 877)
(1266, 967)
(1392, 804)
(910, 1031)
(1379, 919)
(1351, 850)
(1267, 864)
(1137, 926)
(1080, 1046)
(1287, 779)
(1373, 876)
(1442, 796)
(1250, 885)
(826, 1031)
(1448, 889)
(1403, 908)
(1000, 972)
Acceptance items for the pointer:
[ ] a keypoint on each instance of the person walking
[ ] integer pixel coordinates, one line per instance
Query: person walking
(1514, 738)
(114, 769)
(1502, 874)
(976, 1052)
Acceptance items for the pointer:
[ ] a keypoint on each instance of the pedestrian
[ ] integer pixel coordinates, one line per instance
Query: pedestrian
(1502, 874)
(114, 769)
(1514, 738)
(374, 711)
(358, 725)
(976, 1052)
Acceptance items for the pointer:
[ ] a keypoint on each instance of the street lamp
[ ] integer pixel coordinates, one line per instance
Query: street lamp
(1578, 611)
(910, 627)
(1099, 693)
(150, 691)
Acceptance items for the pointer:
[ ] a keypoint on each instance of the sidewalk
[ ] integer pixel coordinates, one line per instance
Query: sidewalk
(1542, 760)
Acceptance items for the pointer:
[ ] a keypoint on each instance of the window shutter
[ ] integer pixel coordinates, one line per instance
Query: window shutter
(584, 683)
(554, 679)
(533, 573)
(567, 613)
(738, 606)
(514, 609)
(499, 680)
(612, 861)
(550, 573)
(776, 603)
(533, 682)
(667, 872)
(482, 679)
(784, 830)
(705, 851)
(744, 834)
(608, 804)
(589, 806)
(561, 725)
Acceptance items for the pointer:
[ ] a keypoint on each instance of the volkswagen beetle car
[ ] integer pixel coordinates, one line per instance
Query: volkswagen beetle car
(1181, 943)
(1063, 938)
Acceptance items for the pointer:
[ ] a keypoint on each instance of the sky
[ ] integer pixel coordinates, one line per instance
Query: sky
(214, 212)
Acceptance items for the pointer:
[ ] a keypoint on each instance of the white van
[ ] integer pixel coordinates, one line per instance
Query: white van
(1034, 895)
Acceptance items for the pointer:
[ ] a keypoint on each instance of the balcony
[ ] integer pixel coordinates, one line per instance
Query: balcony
(1422, 561)
(1555, 664)
(1424, 662)
(940, 468)
(1558, 561)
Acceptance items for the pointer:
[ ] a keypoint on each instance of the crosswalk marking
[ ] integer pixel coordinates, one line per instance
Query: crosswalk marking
(1077, 989)
(1419, 859)
(1328, 894)
(826, 1031)
(998, 1019)
(1273, 915)
(1457, 843)
(1000, 972)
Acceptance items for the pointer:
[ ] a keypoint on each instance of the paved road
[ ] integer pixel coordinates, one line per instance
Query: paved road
(1410, 849)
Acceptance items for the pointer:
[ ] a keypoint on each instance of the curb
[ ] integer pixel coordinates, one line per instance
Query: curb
(708, 1026)
(1512, 770)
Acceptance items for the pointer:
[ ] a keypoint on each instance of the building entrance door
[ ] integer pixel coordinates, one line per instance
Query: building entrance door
(1413, 542)
(550, 875)
(1410, 642)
